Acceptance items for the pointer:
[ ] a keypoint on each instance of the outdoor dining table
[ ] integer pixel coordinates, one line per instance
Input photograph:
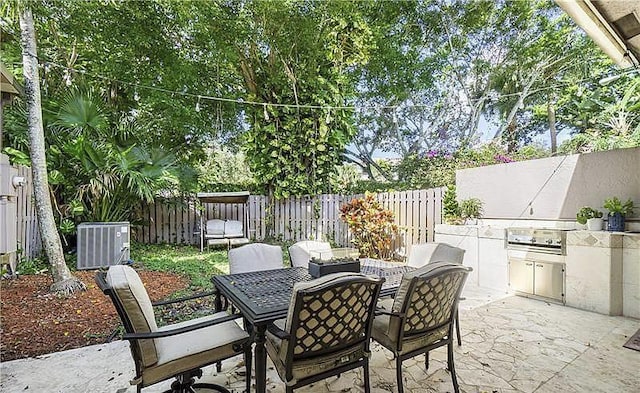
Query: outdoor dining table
(263, 297)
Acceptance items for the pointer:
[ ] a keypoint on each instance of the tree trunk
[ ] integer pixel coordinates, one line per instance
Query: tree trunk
(63, 281)
(551, 112)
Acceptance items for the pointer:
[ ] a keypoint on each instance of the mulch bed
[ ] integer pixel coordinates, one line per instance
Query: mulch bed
(34, 321)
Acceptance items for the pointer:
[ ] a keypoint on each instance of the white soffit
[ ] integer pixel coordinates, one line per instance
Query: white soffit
(613, 24)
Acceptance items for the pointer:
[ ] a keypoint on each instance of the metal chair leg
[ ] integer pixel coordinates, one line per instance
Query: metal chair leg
(452, 368)
(185, 382)
(367, 385)
(426, 360)
(399, 374)
(458, 329)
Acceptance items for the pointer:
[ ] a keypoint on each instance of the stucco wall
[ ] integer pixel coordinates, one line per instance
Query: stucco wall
(556, 187)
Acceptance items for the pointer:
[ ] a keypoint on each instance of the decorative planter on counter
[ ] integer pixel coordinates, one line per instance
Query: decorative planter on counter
(319, 268)
(594, 224)
(615, 222)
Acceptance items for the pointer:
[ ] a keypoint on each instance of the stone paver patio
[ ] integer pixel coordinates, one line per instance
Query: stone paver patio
(511, 344)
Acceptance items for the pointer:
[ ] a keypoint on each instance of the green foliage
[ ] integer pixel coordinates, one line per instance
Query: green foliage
(454, 212)
(615, 205)
(17, 157)
(185, 260)
(586, 213)
(224, 168)
(294, 151)
(592, 106)
(471, 208)
(433, 170)
(606, 118)
(371, 225)
(369, 54)
(98, 168)
(33, 266)
(450, 207)
(437, 169)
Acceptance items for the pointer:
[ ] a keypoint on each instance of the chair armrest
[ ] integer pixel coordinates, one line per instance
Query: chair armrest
(184, 299)
(184, 329)
(382, 311)
(276, 331)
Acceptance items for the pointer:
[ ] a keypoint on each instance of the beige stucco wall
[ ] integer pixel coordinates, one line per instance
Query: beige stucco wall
(557, 186)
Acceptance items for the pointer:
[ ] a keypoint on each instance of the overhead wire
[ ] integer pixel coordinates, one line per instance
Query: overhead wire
(240, 101)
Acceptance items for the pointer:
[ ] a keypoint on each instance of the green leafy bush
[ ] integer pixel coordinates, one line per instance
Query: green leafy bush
(471, 208)
(372, 226)
(614, 205)
(438, 168)
(32, 266)
(450, 206)
(586, 213)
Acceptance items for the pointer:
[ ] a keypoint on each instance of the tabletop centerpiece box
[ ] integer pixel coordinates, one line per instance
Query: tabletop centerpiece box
(335, 260)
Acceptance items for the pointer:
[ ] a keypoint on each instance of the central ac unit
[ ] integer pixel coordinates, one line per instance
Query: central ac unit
(102, 244)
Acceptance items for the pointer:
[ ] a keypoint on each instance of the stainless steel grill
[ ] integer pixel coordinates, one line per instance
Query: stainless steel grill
(542, 240)
(536, 262)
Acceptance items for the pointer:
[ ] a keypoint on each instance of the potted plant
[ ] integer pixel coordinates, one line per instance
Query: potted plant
(591, 217)
(471, 210)
(617, 212)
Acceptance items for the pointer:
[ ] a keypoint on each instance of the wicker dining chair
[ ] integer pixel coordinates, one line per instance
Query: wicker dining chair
(421, 316)
(425, 253)
(176, 351)
(327, 329)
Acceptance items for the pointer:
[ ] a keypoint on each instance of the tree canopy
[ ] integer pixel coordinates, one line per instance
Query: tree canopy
(302, 86)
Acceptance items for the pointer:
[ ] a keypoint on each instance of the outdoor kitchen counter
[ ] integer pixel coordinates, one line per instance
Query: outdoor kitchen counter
(603, 272)
(484, 252)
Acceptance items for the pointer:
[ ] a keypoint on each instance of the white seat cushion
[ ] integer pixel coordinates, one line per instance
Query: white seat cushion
(215, 227)
(128, 288)
(255, 257)
(301, 252)
(233, 228)
(194, 349)
(422, 254)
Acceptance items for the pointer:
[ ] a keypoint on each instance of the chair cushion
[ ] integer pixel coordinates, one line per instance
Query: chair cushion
(130, 291)
(215, 227)
(194, 349)
(255, 257)
(422, 254)
(276, 348)
(301, 252)
(233, 228)
(329, 320)
(386, 328)
(380, 332)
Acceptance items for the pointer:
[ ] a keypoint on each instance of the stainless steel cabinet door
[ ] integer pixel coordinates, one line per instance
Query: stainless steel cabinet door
(549, 280)
(521, 275)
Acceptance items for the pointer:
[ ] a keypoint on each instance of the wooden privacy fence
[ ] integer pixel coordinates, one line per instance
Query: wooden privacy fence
(25, 223)
(296, 218)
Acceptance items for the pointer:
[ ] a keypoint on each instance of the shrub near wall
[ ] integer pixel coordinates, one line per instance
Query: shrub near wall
(438, 168)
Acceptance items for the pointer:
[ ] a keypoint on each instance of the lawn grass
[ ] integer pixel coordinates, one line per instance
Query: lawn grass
(184, 260)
